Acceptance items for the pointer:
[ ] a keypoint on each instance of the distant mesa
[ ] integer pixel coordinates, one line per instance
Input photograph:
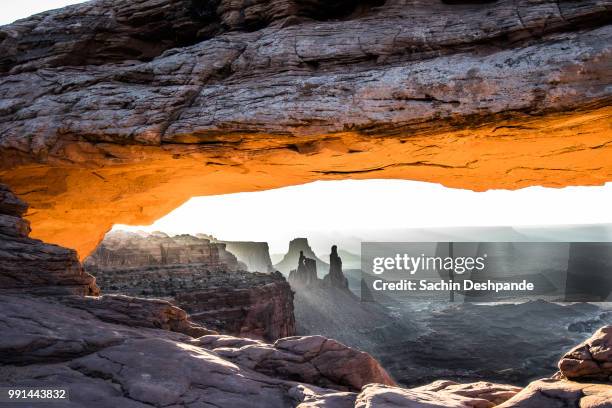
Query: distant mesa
(292, 257)
(140, 249)
(255, 255)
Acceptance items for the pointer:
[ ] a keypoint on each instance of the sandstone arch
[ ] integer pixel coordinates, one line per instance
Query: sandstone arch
(117, 112)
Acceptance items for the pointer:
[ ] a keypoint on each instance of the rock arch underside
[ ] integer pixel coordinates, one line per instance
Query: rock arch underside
(119, 111)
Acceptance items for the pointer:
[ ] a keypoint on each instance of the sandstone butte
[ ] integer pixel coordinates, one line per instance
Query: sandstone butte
(118, 111)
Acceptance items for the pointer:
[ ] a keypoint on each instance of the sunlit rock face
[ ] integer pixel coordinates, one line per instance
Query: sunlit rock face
(31, 266)
(119, 111)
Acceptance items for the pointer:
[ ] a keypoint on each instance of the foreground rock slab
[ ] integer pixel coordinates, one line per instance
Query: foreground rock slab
(106, 364)
(552, 393)
(312, 359)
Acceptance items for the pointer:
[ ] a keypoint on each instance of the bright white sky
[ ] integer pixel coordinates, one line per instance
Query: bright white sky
(11, 10)
(352, 207)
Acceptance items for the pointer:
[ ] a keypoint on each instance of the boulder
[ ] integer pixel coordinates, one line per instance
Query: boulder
(590, 360)
(440, 394)
(553, 393)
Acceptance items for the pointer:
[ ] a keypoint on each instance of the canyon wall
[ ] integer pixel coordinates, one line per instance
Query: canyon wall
(251, 304)
(122, 249)
(119, 111)
(198, 275)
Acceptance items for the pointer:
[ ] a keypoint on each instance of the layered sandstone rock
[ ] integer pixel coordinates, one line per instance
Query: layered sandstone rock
(137, 312)
(198, 275)
(591, 360)
(122, 250)
(560, 393)
(31, 266)
(442, 394)
(119, 111)
(255, 305)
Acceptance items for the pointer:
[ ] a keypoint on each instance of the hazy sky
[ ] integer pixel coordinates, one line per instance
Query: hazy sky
(11, 10)
(352, 207)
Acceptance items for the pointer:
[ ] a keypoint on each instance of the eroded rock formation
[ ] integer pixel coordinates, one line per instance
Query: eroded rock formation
(123, 250)
(201, 277)
(305, 275)
(137, 312)
(335, 277)
(591, 359)
(249, 304)
(298, 248)
(31, 266)
(119, 111)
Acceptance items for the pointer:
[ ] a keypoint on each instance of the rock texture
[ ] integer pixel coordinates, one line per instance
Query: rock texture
(198, 275)
(109, 364)
(119, 111)
(122, 250)
(137, 312)
(439, 394)
(591, 360)
(559, 394)
(31, 266)
(311, 359)
(245, 304)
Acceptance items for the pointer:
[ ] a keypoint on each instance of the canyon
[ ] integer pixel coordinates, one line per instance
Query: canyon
(118, 350)
(118, 111)
(198, 275)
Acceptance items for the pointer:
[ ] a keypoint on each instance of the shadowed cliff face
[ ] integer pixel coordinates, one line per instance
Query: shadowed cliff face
(119, 111)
